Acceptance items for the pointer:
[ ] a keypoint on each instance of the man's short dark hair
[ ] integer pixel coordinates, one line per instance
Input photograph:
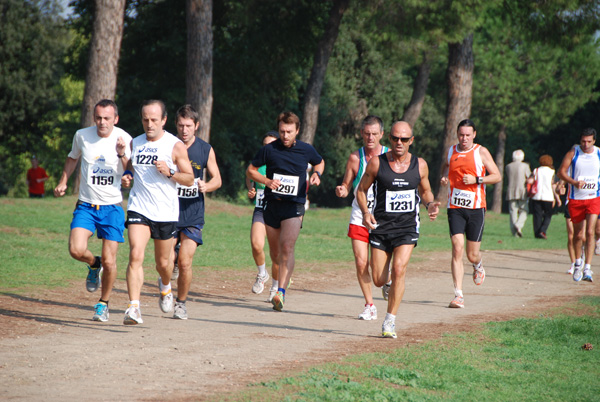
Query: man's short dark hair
(274, 134)
(372, 119)
(288, 117)
(160, 103)
(107, 103)
(466, 123)
(187, 112)
(587, 132)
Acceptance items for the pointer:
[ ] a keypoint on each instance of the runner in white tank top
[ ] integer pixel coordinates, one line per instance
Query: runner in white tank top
(160, 161)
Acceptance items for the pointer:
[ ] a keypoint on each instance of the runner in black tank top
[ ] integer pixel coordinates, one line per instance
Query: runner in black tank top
(397, 178)
(396, 198)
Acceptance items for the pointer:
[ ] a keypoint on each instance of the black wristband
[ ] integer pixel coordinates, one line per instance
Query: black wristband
(427, 205)
(318, 174)
(479, 180)
(120, 156)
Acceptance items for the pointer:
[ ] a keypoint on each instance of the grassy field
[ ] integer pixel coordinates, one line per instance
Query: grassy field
(34, 235)
(537, 359)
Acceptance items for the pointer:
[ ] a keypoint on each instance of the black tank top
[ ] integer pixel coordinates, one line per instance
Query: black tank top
(397, 198)
(191, 210)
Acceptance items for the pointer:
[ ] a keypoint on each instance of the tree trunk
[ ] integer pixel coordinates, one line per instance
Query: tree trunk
(497, 201)
(312, 97)
(413, 109)
(103, 61)
(459, 78)
(199, 69)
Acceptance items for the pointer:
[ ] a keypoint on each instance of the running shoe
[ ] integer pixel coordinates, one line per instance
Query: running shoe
(570, 270)
(180, 311)
(388, 329)
(100, 312)
(92, 282)
(577, 274)
(133, 315)
(385, 290)
(478, 275)
(457, 302)
(278, 301)
(369, 313)
(259, 284)
(587, 275)
(597, 249)
(272, 294)
(165, 301)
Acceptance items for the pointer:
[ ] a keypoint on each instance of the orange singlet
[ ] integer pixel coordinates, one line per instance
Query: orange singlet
(460, 163)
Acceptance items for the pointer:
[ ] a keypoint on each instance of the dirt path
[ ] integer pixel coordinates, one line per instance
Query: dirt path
(52, 350)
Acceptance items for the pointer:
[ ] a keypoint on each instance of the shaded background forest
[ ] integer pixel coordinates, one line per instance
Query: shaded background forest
(535, 76)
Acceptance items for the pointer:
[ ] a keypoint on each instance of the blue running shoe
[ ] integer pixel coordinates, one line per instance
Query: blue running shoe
(101, 312)
(92, 281)
(587, 275)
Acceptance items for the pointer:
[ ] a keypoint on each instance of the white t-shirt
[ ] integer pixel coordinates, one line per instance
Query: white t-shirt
(101, 169)
(153, 194)
(545, 179)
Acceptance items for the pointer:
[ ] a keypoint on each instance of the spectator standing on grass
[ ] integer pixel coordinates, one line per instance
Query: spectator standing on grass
(36, 178)
(400, 181)
(159, 161)
(542, 202)
(371, 131)
(191, 203)
(258, 231)
(467, 170)
(517, 173)
(285, 193)
(580, 170)
(104, 151)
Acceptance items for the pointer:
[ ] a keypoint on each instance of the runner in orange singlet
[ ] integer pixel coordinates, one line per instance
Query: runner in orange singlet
(465, 172)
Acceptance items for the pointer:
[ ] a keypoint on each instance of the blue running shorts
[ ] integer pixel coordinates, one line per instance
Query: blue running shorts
(107, 220)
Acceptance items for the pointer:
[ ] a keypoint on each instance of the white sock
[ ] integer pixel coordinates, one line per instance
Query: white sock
(261, 270)
(478, 265)
(164, 288)
(134, 303)
(587, 267)
(578, 261)
(458, 293)
(390, 317)
(275, 284)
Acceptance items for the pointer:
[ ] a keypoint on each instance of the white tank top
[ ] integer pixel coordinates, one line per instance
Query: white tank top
(585, 167)
(153, 195)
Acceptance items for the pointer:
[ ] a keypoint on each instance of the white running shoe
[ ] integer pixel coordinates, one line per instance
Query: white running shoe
(133, 315)
(180, 311)
(272, 294)
(369, 313)
(175, 273)
(587, 275)
(570, 270)
(388, 329)
(165, 301)
(577, 274)
(259, 284)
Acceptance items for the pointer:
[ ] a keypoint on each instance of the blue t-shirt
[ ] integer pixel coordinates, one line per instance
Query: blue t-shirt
(289, 166)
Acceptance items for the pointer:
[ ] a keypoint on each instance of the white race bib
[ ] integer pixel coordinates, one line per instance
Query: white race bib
(100, 176)
(260, 198)
(399, 201)
(462, 198)
(591, 183)
(188, 192)
(288, 184)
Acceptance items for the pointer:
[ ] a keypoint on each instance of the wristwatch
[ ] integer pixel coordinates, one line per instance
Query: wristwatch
(171, 173)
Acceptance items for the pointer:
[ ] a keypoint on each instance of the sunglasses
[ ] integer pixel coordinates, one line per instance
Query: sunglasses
(403, 139)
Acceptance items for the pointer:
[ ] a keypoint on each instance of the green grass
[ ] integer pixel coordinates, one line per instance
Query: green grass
(34, 235)
(536, 359)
